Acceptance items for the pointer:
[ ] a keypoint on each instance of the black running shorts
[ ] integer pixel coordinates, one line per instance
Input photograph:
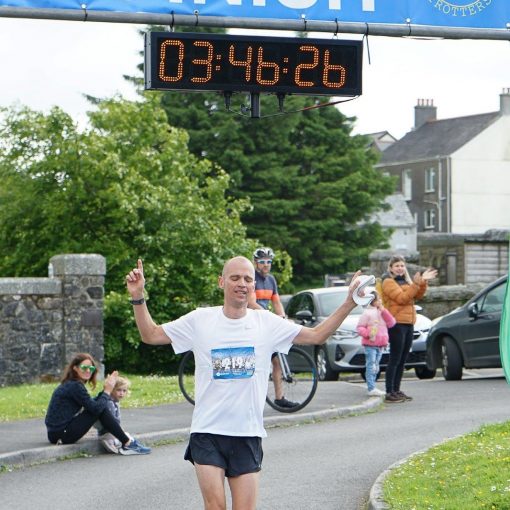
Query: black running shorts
(236, 455)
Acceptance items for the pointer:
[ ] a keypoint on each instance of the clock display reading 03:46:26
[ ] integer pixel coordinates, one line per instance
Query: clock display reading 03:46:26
(223, 62)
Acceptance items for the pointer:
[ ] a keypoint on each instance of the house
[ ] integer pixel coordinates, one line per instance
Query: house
(401, 221)
(381, 141)
(454, 173)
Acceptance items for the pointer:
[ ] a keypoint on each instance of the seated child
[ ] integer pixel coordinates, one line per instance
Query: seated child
(111, 443)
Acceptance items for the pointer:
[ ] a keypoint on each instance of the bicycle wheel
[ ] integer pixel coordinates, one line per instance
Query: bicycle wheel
(187, 376)
(299, 380)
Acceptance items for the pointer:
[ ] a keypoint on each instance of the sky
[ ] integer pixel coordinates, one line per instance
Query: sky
(45, 63)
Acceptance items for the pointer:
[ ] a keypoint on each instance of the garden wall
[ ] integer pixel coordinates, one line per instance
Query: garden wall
(45, 321)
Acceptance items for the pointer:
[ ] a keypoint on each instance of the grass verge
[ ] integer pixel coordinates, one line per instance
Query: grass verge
(31, 400)
(471, 472)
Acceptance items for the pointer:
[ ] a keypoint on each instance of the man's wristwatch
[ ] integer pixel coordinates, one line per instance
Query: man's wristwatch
(137, 301)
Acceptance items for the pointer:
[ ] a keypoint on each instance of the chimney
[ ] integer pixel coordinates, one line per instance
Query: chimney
(423, 112)
(504, 102)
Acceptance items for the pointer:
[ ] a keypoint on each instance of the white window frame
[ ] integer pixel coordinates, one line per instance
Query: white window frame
(429, 218)
(407, 184)
(430, 180)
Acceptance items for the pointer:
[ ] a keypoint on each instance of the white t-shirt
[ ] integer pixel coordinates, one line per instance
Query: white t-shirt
(232, 365)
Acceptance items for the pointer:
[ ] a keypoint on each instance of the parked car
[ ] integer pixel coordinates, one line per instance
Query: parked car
(468, 337)
(284, 299)
(343, 351)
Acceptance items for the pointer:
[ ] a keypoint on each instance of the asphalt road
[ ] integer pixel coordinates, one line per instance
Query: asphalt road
(327, 466)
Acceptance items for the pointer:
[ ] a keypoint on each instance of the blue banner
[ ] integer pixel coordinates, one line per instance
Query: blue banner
(491, 14)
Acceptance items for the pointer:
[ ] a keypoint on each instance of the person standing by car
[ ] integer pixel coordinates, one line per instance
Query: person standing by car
(373, 327)
(266, 294)
(399, 293)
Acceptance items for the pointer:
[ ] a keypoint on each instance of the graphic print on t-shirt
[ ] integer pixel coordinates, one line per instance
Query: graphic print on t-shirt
(233, 362)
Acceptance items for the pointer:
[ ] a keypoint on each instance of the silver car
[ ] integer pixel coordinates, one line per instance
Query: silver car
(343, 351)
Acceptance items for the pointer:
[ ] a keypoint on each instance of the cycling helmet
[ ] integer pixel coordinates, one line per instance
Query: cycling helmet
(263, 253)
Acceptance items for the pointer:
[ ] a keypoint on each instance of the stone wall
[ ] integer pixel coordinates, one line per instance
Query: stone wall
(45, 321)
(441, 300)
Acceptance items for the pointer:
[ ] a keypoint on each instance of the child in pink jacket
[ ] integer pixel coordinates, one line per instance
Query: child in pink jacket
(373, 327)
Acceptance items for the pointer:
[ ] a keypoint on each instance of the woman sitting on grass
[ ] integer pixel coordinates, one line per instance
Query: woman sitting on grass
(72, 411)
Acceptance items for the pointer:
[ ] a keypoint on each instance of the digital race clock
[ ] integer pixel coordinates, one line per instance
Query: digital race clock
(185, 61)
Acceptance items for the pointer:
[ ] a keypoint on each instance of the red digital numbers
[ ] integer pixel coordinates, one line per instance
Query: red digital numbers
(207, 62)
(166, 46)
(267, 72)
(242, 63)
(223, 62)
(337, 71)
(311, 65)
(262, 66)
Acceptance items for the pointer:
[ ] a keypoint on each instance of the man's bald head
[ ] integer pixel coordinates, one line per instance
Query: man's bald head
(236, 262)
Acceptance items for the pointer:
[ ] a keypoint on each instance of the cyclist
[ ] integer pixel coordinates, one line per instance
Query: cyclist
(227, 425)
(266, 293)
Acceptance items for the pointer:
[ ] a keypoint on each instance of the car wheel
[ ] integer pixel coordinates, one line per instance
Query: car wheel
(424, 373)
(323, 368)
(451, 360)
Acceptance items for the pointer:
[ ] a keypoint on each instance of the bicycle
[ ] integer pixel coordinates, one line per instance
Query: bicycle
(299, 377)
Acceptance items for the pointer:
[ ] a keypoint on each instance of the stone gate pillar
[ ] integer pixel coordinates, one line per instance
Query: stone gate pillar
(82, 277)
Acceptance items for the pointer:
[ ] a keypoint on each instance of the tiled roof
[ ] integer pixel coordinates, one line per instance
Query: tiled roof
(398, 215)
(437, 138)
(381, 140)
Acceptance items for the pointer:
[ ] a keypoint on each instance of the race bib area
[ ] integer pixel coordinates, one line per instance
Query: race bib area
(233, 362)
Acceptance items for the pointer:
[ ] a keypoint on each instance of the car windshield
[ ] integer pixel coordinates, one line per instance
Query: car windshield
(331, 301)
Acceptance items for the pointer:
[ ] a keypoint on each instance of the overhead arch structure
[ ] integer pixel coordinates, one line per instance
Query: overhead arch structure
(449, 19)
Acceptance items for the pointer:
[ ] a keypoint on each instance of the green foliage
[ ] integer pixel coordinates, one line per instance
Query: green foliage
(126, 187)
(311, 183)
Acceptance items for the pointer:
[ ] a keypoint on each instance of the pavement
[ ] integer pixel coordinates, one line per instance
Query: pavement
(24, 443)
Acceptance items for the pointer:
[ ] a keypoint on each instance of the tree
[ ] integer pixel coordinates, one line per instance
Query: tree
(126, 187)
(312, 183)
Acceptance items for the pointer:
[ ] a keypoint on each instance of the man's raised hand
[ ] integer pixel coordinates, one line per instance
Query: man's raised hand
(353, 286)
(135, 281)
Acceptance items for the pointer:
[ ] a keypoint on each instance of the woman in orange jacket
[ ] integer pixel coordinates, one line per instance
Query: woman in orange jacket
(399, 293)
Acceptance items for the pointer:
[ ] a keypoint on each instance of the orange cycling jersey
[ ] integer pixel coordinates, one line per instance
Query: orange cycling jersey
(266, 289)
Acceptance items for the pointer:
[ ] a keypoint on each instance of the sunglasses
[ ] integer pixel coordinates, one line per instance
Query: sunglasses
(92, 368)
(264, 261)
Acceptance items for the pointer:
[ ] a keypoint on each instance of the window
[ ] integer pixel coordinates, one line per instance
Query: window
(494, 300)
(430, 218)
(430, 179)
(329, 302)
(407, 184)
(300, 303)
